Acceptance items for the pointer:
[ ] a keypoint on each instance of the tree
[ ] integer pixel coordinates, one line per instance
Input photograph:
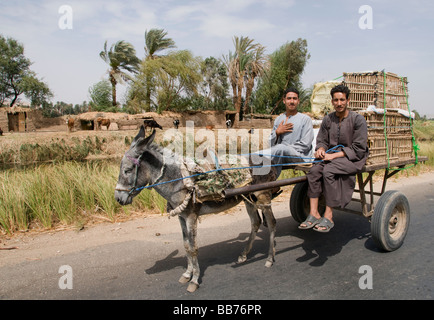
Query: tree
(100, 96)
(287, 64)
(256, 67)
(16, 78)
(174, 77)
(122, 59)
(416, 115)
(155, 42)
(241, 67)
(35, 90)
(180, 78)
(214, 86)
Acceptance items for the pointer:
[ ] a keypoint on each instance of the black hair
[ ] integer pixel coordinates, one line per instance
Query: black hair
(341, 88)
(291, 89)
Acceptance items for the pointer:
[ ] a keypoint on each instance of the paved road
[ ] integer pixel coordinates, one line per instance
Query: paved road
(146, 264)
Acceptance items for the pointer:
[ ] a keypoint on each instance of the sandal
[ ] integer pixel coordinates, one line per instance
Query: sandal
(309, 223)
(324, 223)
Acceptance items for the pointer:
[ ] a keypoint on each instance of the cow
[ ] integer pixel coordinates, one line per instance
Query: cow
(151, 123)
(69, 124)
(102, 122)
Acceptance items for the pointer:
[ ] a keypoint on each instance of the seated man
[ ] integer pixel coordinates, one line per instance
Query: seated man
(344, 134)
(292, 134)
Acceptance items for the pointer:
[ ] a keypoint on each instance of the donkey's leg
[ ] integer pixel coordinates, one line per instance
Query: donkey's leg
(189, 233)
(255, 223)
(186, 276)
(264, 201)
(271, 222)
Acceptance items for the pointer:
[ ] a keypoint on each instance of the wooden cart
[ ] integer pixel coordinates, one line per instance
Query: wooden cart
(391, 147)
(389, 216)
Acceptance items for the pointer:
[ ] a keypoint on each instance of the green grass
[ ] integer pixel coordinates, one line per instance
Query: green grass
(67, 193)
(424, 130)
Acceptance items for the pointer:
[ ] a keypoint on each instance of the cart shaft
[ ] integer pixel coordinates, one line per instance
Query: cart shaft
(228, 193)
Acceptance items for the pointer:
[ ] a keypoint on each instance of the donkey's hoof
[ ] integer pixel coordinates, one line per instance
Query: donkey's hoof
(192, 287)
(268, 264)
(184, 280)
(242, 259)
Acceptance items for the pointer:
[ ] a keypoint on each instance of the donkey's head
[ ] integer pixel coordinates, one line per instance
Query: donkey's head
(135, 170)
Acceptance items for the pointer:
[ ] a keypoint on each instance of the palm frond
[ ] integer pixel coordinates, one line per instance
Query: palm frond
(156, 41)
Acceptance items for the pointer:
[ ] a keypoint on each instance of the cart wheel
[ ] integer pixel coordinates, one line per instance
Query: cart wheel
(391, 220)
(299, 202)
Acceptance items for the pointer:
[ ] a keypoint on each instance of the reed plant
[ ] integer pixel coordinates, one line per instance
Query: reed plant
(69, 193)
(53, 150)
(11, 203)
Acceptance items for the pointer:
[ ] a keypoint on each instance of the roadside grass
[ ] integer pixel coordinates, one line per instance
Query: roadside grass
(70, 193)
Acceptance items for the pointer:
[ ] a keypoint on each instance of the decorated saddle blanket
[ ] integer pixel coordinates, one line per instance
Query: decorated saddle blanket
(213, 175)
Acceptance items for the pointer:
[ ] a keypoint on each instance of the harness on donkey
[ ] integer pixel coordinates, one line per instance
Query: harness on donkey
(205, 179)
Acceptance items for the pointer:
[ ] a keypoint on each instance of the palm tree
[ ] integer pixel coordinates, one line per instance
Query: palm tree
(230, 64)
(246, 63)
(122, 59)
(155, 42)
(258, 63)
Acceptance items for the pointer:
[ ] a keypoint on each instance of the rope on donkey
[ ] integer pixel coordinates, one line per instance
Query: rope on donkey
(239, 168)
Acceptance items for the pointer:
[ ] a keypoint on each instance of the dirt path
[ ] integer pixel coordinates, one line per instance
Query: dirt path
(33, 245)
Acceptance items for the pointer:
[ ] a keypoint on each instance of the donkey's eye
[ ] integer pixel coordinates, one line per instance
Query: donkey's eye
(128, 170)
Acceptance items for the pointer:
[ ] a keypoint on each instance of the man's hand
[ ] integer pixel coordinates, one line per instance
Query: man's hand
(320, 153)
(284, 127)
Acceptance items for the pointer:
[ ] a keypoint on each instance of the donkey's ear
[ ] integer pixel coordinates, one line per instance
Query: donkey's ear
(144, 142)
(139, 139)
(149, 139)
(141, 134)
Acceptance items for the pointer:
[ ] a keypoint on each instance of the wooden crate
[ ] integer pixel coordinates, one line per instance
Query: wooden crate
(400, 148)
(398, 130)
(394, 122)
(367, 88)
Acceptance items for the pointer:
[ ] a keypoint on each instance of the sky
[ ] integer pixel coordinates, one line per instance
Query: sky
(63, 38)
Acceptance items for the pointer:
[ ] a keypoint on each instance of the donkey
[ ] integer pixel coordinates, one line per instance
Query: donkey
(146, 163)
(102, 122)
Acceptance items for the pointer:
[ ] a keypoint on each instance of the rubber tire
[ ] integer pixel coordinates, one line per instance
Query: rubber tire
(299, 204)
(390, 221)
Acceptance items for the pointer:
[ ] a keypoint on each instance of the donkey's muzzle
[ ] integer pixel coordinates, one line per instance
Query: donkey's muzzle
(123, 197)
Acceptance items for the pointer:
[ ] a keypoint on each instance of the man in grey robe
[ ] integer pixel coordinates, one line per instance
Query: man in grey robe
(292, 134)
(342, 146)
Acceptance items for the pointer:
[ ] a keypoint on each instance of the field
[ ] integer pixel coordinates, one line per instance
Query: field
(72, 183)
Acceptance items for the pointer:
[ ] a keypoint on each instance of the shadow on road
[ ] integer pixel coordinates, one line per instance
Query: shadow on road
(317, 247)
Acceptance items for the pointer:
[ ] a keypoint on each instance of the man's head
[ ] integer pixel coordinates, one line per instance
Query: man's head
(291, 100)
(342, 89)
(340, 99)
(291, 89)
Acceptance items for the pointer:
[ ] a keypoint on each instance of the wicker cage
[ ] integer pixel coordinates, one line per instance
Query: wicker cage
(400, 148)
(396, 128)
(367, 88)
